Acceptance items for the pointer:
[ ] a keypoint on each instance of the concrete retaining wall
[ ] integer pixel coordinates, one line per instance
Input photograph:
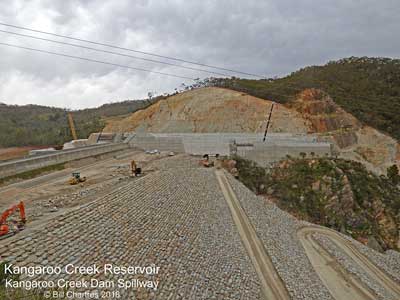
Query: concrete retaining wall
(200, 145)
(150, 142)
(250, 145)
(266, 153)
(14, 167)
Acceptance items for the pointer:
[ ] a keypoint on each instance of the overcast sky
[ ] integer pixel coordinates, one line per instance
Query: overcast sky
(268, 37)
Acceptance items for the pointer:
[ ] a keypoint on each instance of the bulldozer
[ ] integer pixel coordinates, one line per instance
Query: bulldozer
(76, 178)
(10, 228)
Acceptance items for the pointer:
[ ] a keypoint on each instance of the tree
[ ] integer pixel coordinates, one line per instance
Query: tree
(393, 174)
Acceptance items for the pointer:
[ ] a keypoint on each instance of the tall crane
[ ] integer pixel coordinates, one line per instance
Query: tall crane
(72, 126)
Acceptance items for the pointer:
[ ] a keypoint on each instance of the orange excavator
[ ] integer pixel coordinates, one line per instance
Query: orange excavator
(7, 230)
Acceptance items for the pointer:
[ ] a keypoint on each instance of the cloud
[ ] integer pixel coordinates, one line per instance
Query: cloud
(272, 37)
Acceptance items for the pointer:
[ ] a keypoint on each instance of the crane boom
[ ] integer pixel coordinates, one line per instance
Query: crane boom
(72, 126)
(268, 122)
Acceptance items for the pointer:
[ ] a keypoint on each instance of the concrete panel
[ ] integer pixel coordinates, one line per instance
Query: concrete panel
(266, 153)
(150, 142)
(276, 146)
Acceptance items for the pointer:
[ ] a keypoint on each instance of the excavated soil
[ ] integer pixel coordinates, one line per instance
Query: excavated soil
(211, 110)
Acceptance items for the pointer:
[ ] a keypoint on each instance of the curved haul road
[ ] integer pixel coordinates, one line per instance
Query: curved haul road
(340, 283)
(272, 286)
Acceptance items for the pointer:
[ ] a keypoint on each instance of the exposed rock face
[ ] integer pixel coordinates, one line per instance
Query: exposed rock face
(353, 140)
(211, 110)
(223, 110)
(327, 117)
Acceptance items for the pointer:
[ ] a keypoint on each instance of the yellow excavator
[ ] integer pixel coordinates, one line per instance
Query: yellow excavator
(135, 170)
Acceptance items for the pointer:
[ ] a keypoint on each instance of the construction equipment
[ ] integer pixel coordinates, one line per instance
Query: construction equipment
(76, 178)
(268, 122)
(72, 126)
(205, 162)
(135, 171)
(6, 229)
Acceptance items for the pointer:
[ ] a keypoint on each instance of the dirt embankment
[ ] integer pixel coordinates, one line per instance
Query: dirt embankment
(17, 152)
(210, 110)
(223, 110)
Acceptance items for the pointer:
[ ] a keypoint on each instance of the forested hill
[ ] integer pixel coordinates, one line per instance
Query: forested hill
(40, 125)
(368, 88)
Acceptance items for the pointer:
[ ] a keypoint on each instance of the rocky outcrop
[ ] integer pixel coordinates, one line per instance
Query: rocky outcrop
(210, 110)
(325, 116)
(351, 138)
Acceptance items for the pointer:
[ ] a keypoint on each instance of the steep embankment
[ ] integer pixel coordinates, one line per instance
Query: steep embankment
(222, 110)
(351, 138)
(336, 193)
(368, 88)
(210, 110)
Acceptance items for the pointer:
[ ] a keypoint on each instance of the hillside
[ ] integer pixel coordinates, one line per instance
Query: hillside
(368, 88)
(336, 193)
(210, 110)
(34, 125)
(312, 111)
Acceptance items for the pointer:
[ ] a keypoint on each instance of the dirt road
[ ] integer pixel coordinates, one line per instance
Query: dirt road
(340, 283)
(271, 284)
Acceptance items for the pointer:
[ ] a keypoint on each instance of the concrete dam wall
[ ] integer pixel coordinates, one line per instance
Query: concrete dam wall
(264, 153)
(250, 146)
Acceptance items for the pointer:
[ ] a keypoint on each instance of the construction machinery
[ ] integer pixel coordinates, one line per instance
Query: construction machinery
(135, 171)
(76, 178)
(205, 162)
(10, 228)
(268, 122)
(72, 126)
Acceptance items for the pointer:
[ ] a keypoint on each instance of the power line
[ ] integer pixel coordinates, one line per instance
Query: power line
(132, 50)
(95, 61)
(114, 53)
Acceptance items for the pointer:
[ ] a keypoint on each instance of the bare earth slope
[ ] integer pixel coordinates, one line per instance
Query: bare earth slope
(353, 140)
(210, 110)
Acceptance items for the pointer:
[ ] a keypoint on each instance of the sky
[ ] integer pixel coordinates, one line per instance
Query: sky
(266, 37)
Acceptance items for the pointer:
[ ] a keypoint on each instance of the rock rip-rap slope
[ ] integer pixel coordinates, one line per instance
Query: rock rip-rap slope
(176, 220)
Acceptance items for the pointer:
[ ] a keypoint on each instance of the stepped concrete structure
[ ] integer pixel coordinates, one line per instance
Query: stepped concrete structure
(264, 153)
(248, 145)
